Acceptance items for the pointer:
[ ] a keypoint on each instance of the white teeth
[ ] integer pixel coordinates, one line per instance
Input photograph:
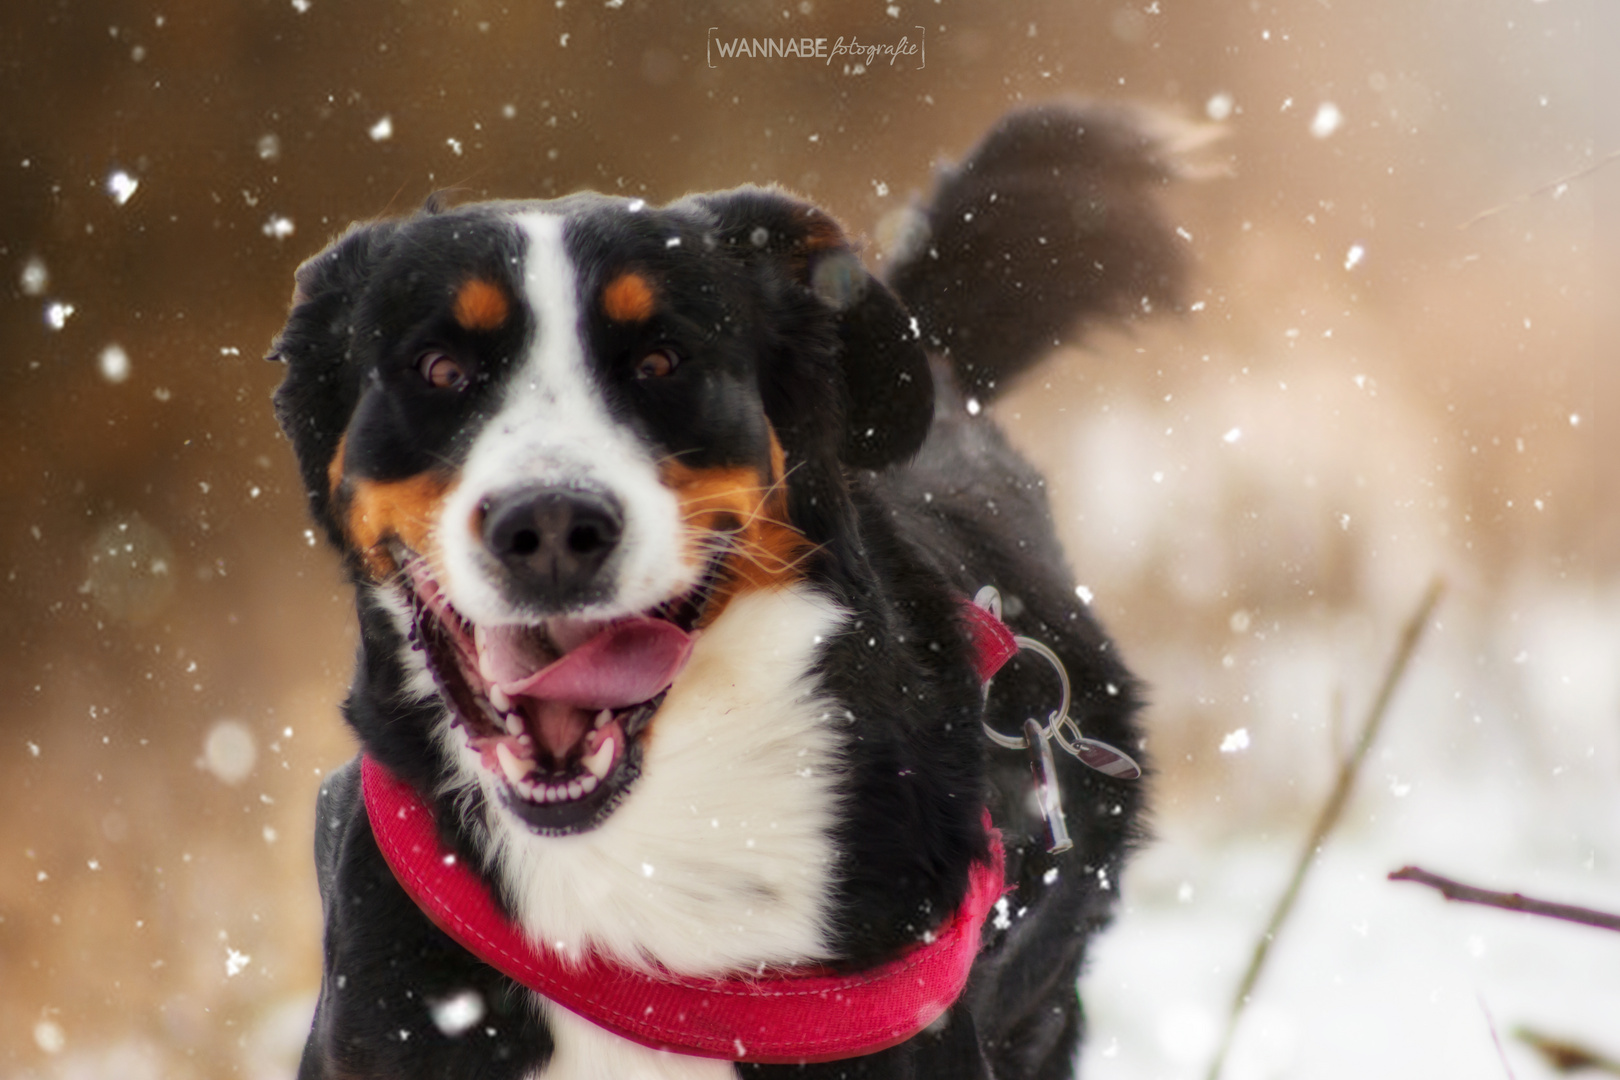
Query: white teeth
(514, 724)
(514, 769)
(603, 718)
(599, 762)
(527, 788)
(574, 790)
(587, 784)
(497, 697)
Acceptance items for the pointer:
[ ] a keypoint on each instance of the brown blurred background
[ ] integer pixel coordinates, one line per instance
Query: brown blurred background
(1398, 361)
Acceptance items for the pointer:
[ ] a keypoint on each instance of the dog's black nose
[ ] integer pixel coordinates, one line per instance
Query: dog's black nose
(553, 541)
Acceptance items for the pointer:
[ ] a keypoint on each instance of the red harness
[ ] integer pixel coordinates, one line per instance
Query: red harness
(799, 1014)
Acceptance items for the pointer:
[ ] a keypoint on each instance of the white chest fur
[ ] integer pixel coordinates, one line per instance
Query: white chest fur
(584, 1051)
(720, 857)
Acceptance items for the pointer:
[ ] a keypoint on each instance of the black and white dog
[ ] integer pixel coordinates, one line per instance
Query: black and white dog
(661, 522)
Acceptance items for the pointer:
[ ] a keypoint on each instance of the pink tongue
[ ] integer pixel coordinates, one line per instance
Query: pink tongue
(625, 664)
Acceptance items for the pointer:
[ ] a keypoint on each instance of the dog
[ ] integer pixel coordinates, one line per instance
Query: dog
(664, 525)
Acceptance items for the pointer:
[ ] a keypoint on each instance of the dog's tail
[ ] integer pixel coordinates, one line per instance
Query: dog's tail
(1049, 225)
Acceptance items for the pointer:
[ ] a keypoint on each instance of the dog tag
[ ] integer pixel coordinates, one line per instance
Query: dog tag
(1094, 753)
(1108, 760)
(1047, 792)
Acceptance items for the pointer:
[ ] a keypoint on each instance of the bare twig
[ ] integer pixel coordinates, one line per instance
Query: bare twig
(1565, 1055)
(1469, 894)
(1606, 159)
(1496, 1040)
(1330, 813)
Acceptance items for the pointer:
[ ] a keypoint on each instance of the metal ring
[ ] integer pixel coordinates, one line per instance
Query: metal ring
(1054, 720)
(1064, 740)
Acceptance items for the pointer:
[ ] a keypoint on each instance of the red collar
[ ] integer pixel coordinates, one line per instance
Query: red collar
(792, 1015)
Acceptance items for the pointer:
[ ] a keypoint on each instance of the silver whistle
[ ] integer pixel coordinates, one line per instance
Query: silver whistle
(1047, 792)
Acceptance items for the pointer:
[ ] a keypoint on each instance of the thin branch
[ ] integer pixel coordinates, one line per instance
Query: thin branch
(1496, 1040)
(1469, 894)
(1565, 1055)
(1586, 170)
(1330, 813)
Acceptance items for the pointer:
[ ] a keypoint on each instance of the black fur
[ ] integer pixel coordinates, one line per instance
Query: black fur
(1051, 224)
(910, 503)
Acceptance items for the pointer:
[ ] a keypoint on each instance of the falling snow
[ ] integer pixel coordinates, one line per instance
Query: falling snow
(382, 130)
(1327, 120)
(121, 186)
(457, 1013)
(1235, 741)
(57, 313)
(113, 363)
(35, 277)
(229, 751)
(49, 1037)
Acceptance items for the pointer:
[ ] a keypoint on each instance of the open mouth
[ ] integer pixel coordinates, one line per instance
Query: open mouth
(556, 709)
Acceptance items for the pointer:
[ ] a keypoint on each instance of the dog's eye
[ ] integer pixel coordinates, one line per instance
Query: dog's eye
(657, 364)
(440, 371)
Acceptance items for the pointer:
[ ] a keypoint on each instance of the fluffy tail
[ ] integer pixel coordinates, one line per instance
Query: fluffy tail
(1050, 224)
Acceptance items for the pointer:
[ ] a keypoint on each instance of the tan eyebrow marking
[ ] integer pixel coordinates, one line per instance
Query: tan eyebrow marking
(481, 305)
(628, 298)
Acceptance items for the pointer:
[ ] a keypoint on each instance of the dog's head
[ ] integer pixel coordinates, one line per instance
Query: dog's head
(559, 438)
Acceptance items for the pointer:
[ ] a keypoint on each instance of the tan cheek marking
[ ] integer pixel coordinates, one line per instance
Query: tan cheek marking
(751, 511)
(375, 511)
(628, 298)
(481, 305)
(407, 510)
(334, 468)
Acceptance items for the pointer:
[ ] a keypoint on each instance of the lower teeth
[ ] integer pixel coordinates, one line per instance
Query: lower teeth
(540, 791)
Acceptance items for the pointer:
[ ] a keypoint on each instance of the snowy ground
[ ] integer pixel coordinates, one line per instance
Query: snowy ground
(1370, 977)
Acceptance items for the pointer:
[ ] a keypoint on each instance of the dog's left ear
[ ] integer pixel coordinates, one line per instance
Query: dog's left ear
(318, 393)
(888, 392)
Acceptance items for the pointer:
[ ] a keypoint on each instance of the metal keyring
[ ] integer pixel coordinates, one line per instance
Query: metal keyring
(1056, 721)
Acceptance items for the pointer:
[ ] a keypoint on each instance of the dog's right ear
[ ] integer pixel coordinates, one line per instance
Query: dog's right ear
(318, 394)
(846, 337)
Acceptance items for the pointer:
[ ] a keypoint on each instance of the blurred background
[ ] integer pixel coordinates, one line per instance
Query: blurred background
(1396, 362)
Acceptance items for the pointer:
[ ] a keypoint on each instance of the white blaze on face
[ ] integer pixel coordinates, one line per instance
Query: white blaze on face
(552, 428)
